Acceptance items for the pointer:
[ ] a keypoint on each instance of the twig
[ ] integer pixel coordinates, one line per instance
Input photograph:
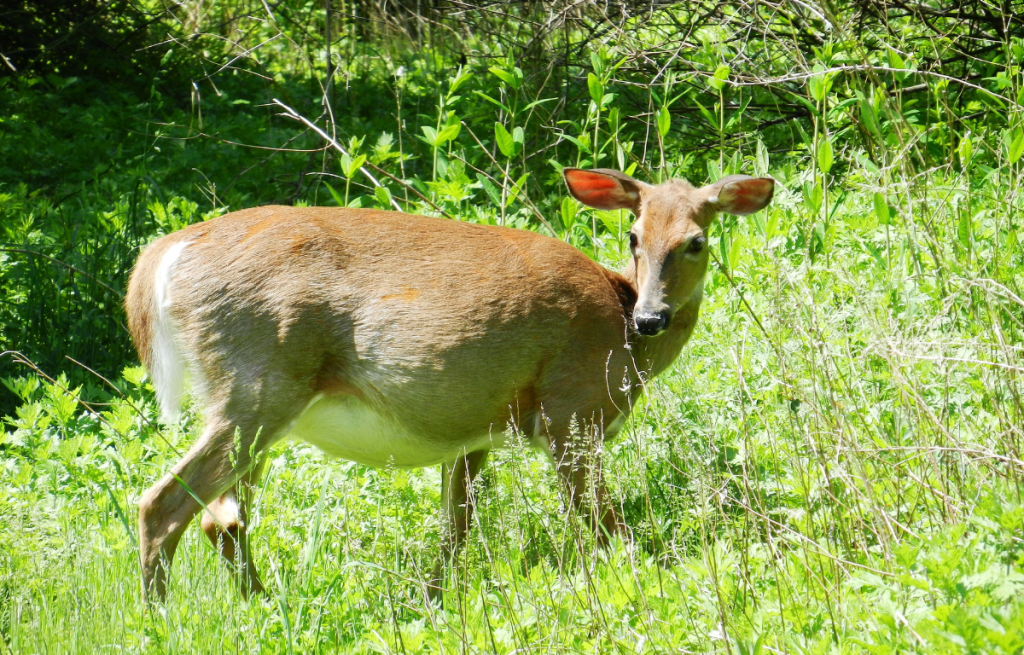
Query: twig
(8, 62)
(866, 67)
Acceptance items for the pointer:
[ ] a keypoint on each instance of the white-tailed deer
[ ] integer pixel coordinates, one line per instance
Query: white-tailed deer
(393, 339)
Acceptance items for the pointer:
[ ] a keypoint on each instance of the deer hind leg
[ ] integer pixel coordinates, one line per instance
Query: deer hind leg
(236, 433)
(225, 523)
(457, 504)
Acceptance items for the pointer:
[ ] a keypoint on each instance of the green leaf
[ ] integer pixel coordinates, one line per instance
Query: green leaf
(820, 83)
(761, 157)
(664, 122)
(493, 101)
(812, 196)
(535, 103)
(338, 198)
(503, 75)
(134, 375)
(714, 171)
(597, 62)
(819, 232)
(811, 107)
(708, 116)
(720, 78)
(504, 140)
(383, 195)
(570, 208)
(596, 88)
(737, 115)
(431, 135)
(816, 87)
(355, 165)
(490, 189)
(1016, 146)
(612, 220)
(838, 108)
(460, 78)
(865, 161)
(449, 133)
(581, 144)
(513, 192)
(825, 158)
(881, 209)
(772, 227)
(350, 166)
(965, 150)
(963, 229)
(735, 250)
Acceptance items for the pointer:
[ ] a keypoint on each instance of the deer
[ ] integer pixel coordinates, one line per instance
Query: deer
(392, 339)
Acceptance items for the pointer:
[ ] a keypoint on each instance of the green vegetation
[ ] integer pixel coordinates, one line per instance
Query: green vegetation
(833, 465)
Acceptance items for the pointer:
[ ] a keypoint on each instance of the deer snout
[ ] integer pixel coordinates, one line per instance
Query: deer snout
(651, 323)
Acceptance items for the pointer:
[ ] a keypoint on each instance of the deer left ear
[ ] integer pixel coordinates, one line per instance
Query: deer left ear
(740, 194)
(603, 188)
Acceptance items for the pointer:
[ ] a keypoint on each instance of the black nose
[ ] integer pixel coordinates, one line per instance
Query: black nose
(651, 324)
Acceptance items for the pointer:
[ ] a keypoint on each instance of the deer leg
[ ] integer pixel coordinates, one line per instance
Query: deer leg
(223, 454)
(577, 459)
(457, 504)
(225, 523)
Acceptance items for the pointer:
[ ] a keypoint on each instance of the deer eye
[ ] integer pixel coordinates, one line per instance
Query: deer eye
(632, 241)
(696, 245)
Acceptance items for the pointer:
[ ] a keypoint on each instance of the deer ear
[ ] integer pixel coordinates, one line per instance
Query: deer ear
(740, 194)
(603, 188)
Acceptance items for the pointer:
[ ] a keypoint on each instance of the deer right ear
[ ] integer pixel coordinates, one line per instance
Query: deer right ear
(603, 188)
(740, 194)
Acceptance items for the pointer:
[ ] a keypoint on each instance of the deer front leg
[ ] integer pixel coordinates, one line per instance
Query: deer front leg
(457, 504)
(578, 461)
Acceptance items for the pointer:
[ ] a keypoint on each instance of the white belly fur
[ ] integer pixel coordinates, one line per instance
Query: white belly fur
(344, 426)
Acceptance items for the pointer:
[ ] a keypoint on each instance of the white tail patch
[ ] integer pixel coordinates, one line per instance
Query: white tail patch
(168, 369)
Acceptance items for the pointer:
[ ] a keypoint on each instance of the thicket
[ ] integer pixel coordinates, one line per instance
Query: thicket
(835, 461)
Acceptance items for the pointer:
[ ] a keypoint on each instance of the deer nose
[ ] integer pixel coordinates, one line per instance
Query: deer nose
(651, 324)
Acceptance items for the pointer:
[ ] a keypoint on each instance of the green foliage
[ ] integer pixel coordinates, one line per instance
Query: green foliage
(106, 40)
(833, 465)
